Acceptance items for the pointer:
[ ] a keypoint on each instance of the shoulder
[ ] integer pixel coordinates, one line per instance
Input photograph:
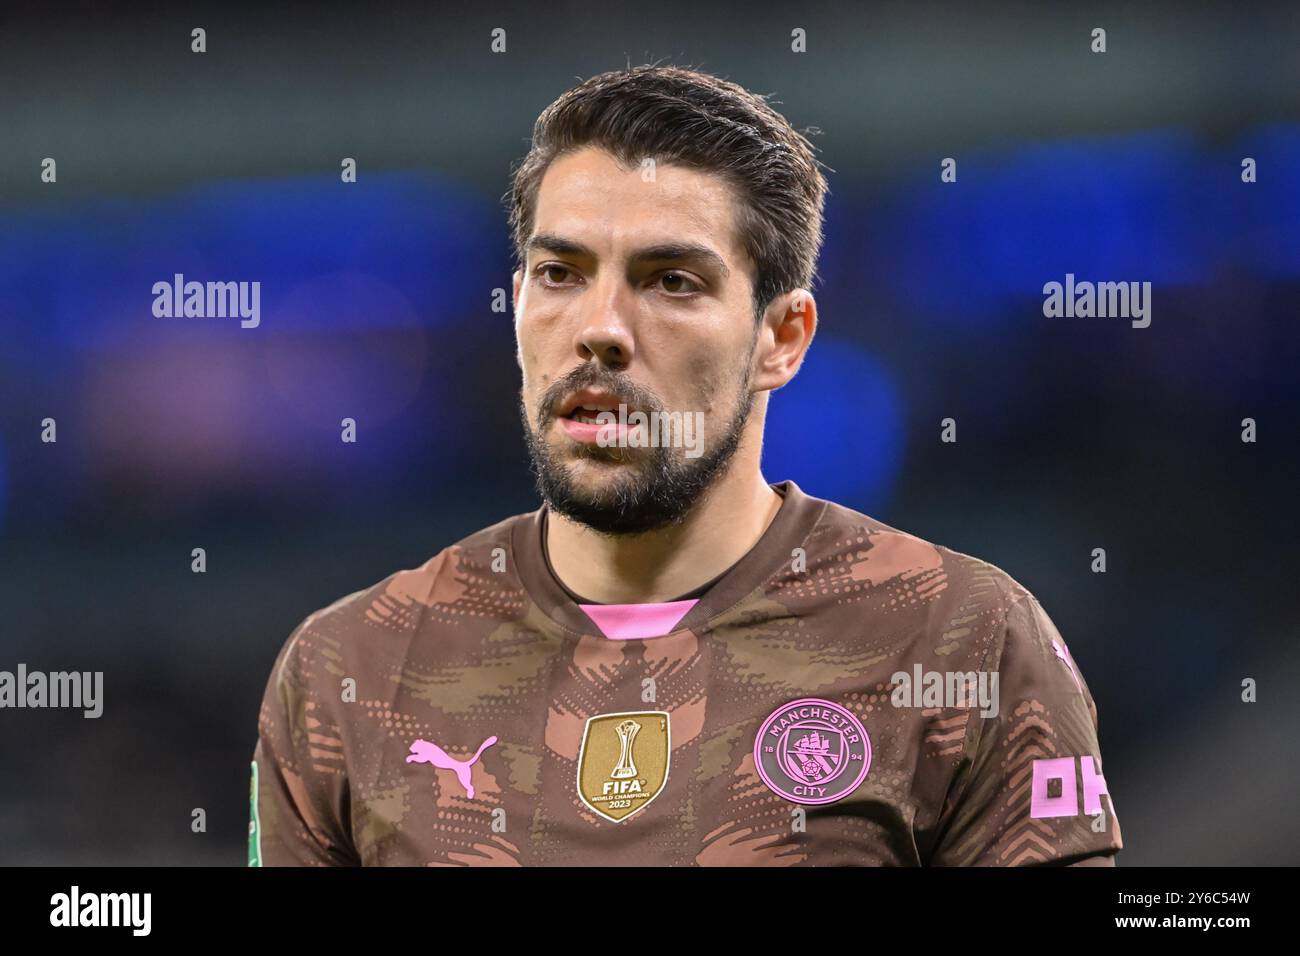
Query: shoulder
(958, 606)
(960, 609)
(468, 579)
(882, 556)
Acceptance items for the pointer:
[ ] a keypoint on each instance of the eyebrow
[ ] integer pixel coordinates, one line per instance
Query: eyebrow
(667, 251)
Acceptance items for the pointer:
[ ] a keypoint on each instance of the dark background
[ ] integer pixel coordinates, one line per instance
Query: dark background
(1073, 433)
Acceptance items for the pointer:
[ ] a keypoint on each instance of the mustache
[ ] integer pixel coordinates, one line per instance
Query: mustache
(591, 376)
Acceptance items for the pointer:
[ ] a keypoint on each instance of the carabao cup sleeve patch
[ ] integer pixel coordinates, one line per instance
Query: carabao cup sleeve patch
(254, 823)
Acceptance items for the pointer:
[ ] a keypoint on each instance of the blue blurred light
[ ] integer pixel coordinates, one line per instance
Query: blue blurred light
(837, 428)
(3, 489)
(1131, 208)
(83, 280)
(1266, 236)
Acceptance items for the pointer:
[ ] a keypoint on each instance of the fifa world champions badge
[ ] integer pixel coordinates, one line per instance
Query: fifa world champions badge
(623, 762)
(812, 751)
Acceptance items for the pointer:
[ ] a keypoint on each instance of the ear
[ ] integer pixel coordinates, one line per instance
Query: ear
(789, 323)
(517, 281)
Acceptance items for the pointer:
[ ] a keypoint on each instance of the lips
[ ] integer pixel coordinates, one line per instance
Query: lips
(577, 416)
(586, 404)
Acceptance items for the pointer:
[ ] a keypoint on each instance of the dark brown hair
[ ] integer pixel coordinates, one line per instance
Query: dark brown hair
(689, 118)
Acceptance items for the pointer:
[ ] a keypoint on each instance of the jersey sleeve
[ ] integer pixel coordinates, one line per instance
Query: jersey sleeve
(1029, 788)
(299, 801)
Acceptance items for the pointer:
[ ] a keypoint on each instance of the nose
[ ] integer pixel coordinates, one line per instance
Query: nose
(604, 331)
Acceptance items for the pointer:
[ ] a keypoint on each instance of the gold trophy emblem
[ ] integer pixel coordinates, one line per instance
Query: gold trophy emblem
(623, 762)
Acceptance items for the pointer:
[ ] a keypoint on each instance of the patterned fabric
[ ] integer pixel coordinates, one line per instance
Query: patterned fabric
(438, 718)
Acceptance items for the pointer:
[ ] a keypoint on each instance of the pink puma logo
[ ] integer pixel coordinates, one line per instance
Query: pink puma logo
(1064, 655)
(426, 751)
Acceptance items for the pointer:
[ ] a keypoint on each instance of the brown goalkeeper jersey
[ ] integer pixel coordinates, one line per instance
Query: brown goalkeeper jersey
(844, 694)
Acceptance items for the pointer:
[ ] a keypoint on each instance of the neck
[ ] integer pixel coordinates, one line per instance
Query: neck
(657, 566)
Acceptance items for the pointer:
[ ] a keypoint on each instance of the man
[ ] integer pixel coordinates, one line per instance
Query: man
(672, 661)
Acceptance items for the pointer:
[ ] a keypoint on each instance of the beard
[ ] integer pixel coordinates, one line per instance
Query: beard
(648, 489)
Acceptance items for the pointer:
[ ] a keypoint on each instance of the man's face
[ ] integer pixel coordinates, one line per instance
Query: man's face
(634, 292)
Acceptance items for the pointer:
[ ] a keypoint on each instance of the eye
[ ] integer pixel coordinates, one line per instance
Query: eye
(678, 283)
(548, 271)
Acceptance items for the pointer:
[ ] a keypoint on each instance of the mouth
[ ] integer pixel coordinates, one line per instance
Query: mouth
(583, 406)
(578, 413)
(587, 414)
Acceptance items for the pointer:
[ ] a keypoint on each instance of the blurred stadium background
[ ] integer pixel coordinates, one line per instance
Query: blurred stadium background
(1073, 433)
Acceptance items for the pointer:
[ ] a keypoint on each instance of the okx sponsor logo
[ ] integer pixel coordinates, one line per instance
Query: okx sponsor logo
(1054, 791)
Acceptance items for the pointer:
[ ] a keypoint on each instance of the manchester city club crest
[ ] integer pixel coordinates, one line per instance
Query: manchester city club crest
(812, 751)
(623, 763)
